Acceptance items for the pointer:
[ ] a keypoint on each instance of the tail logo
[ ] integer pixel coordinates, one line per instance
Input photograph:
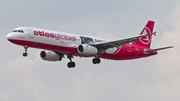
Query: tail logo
(146, 39)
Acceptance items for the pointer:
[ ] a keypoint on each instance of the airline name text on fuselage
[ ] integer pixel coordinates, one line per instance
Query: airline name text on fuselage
(55, 36)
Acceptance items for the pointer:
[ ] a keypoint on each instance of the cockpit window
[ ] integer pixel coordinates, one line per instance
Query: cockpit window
(20, 31)
(14, 30)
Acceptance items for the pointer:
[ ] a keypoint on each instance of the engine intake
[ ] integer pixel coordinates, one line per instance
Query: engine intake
(87, 50)
(50, 56)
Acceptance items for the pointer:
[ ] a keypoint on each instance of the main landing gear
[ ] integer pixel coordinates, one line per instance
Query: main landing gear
(25, 53)
(71, 64)
(96, 60)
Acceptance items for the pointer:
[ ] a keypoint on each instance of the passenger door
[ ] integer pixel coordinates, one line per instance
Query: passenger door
(31, 34)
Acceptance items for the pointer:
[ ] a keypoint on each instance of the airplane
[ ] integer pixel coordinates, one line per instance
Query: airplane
(57, 45)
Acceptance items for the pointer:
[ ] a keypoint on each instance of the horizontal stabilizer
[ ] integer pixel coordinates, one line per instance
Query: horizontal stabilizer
(152, 50)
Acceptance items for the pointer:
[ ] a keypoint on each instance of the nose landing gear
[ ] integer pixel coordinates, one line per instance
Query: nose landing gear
(25, 53)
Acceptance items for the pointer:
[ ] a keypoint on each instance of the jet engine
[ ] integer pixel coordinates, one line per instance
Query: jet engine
(50, 56)
(87, 50)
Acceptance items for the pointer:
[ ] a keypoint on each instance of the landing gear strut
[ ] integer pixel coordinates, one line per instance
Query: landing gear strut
(71, 64)
(96, 60)
(25, 53)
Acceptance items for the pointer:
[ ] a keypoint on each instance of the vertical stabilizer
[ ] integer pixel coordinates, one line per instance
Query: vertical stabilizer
(146, 40)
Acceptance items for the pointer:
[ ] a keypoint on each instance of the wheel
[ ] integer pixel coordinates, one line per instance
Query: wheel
(25, 54)
(96, 60)
(71, 64)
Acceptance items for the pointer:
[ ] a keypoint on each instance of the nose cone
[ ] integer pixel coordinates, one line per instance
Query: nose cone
(10, 36)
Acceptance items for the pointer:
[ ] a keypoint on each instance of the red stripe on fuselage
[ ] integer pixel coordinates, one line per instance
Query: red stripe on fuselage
(123, 53)
(64, 50)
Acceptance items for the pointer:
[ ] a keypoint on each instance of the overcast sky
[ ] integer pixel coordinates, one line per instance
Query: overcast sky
(154, 78)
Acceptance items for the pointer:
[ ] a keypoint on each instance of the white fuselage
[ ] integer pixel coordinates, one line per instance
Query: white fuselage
(55, 38)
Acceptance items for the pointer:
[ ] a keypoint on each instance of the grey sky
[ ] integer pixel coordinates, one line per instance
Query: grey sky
(32, 79)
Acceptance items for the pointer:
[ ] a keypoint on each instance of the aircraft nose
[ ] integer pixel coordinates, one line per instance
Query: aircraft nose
(10, 36)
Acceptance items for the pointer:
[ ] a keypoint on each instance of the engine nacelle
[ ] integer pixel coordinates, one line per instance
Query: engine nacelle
(50, 56)
(87, 50)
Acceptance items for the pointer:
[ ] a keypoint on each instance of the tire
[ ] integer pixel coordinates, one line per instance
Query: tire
(25, 54)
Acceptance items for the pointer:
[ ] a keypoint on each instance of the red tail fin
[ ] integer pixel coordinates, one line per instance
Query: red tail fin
(146, 40)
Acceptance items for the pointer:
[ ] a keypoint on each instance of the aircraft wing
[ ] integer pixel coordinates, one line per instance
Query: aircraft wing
(102, 46)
